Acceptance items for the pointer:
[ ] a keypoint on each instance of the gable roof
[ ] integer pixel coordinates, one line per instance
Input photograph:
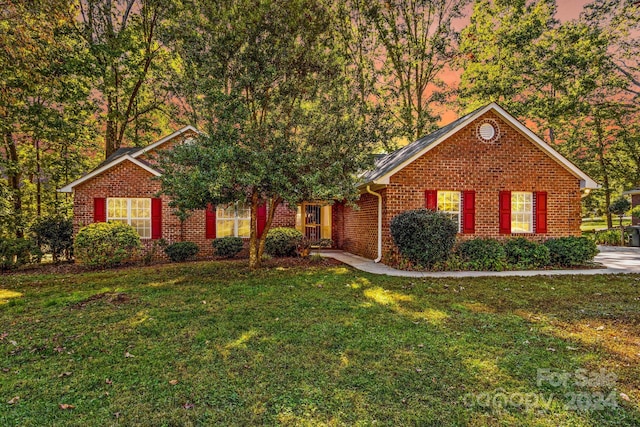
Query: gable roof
(165, 139)
(390, 164)
(126, 157)
(129, 154)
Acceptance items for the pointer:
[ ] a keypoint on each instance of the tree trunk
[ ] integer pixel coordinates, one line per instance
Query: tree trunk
(13, 177)
(110, 138)
(38, 181)
(254, 253)
(274, 203)
(603, 169)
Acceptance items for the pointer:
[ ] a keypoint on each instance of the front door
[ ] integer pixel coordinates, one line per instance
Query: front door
(314, 221)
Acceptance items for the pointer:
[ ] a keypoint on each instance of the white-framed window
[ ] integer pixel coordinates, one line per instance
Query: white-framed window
(233, 220)
(521, 212)
(135, 212)
(450, 202)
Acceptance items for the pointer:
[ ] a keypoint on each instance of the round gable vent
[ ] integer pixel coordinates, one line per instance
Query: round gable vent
(488, 131)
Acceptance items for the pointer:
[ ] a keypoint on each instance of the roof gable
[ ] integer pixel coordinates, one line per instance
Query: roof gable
(390, 164)
(164, 140)
(129, 154)
(69, 187)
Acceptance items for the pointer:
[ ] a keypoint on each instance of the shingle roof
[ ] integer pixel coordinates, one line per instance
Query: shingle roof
(117, 154)
(389, 162)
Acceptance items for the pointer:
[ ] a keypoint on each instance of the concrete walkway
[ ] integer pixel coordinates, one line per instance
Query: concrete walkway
(614, 260)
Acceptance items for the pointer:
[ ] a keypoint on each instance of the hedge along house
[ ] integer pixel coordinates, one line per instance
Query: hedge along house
(494, 176)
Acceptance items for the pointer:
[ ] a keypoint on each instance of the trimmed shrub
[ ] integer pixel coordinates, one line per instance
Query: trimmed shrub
(282, 242)
(568, 251)
(54, 234)
(523, 253)
(227, 247)
(483, 254)
(609, 237)
(17, 252)
(424, 237)
(106, 244)
(181, 251)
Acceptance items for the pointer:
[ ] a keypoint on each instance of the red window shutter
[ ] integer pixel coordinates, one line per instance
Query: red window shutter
(156, 218)
(210, 222)
(262, 218)
(541, 211)
(505, 212)
(99, 209)
(431, 199)
(468, 212)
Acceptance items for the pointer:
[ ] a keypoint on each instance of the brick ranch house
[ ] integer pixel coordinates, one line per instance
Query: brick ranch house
(493, 175)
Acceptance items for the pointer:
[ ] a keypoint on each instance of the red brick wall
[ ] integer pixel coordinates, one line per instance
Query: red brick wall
(129, 180)
(361, 226)
(461, 163)
(284, 217)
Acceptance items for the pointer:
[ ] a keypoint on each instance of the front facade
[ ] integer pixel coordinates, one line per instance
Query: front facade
(486, 170)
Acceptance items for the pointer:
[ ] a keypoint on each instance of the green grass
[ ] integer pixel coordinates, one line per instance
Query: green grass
(314, 345)
(601, 224)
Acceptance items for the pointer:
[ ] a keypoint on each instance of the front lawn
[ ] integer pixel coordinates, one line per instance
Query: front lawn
(213, 343)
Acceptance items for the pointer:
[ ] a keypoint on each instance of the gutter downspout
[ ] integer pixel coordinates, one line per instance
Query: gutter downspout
(379, 223)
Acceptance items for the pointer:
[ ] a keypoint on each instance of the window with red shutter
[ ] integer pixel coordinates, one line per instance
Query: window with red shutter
(210, 222)
(505, 212)
(541, 211)
(431, 199)
(468, 212)
(156, 218)
(99, 209)
(262, 218)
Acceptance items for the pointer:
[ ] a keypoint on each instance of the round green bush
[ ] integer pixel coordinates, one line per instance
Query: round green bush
(106, 244)
(568, 251)
(181, 251)
(523, 253)
(227, 247)
(424, 237)
(483, 254)
(282, 242)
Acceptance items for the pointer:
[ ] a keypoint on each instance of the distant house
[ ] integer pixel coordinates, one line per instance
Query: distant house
(486, 170)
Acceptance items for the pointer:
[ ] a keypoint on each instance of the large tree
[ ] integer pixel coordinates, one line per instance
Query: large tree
(284, 124)
(43, 106)
(563, 77)
(127, 63)
(404, 46)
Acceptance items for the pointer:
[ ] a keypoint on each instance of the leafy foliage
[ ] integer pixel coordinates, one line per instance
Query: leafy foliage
(181, 251)
(608, 237)
(283, 122)
(620, 206)
(17, 252)
(483, 254)
(283, 242)
(54, 234)
(424, 237)
(106, 244)
(569, 251)
(524, 253)
(228, 247)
